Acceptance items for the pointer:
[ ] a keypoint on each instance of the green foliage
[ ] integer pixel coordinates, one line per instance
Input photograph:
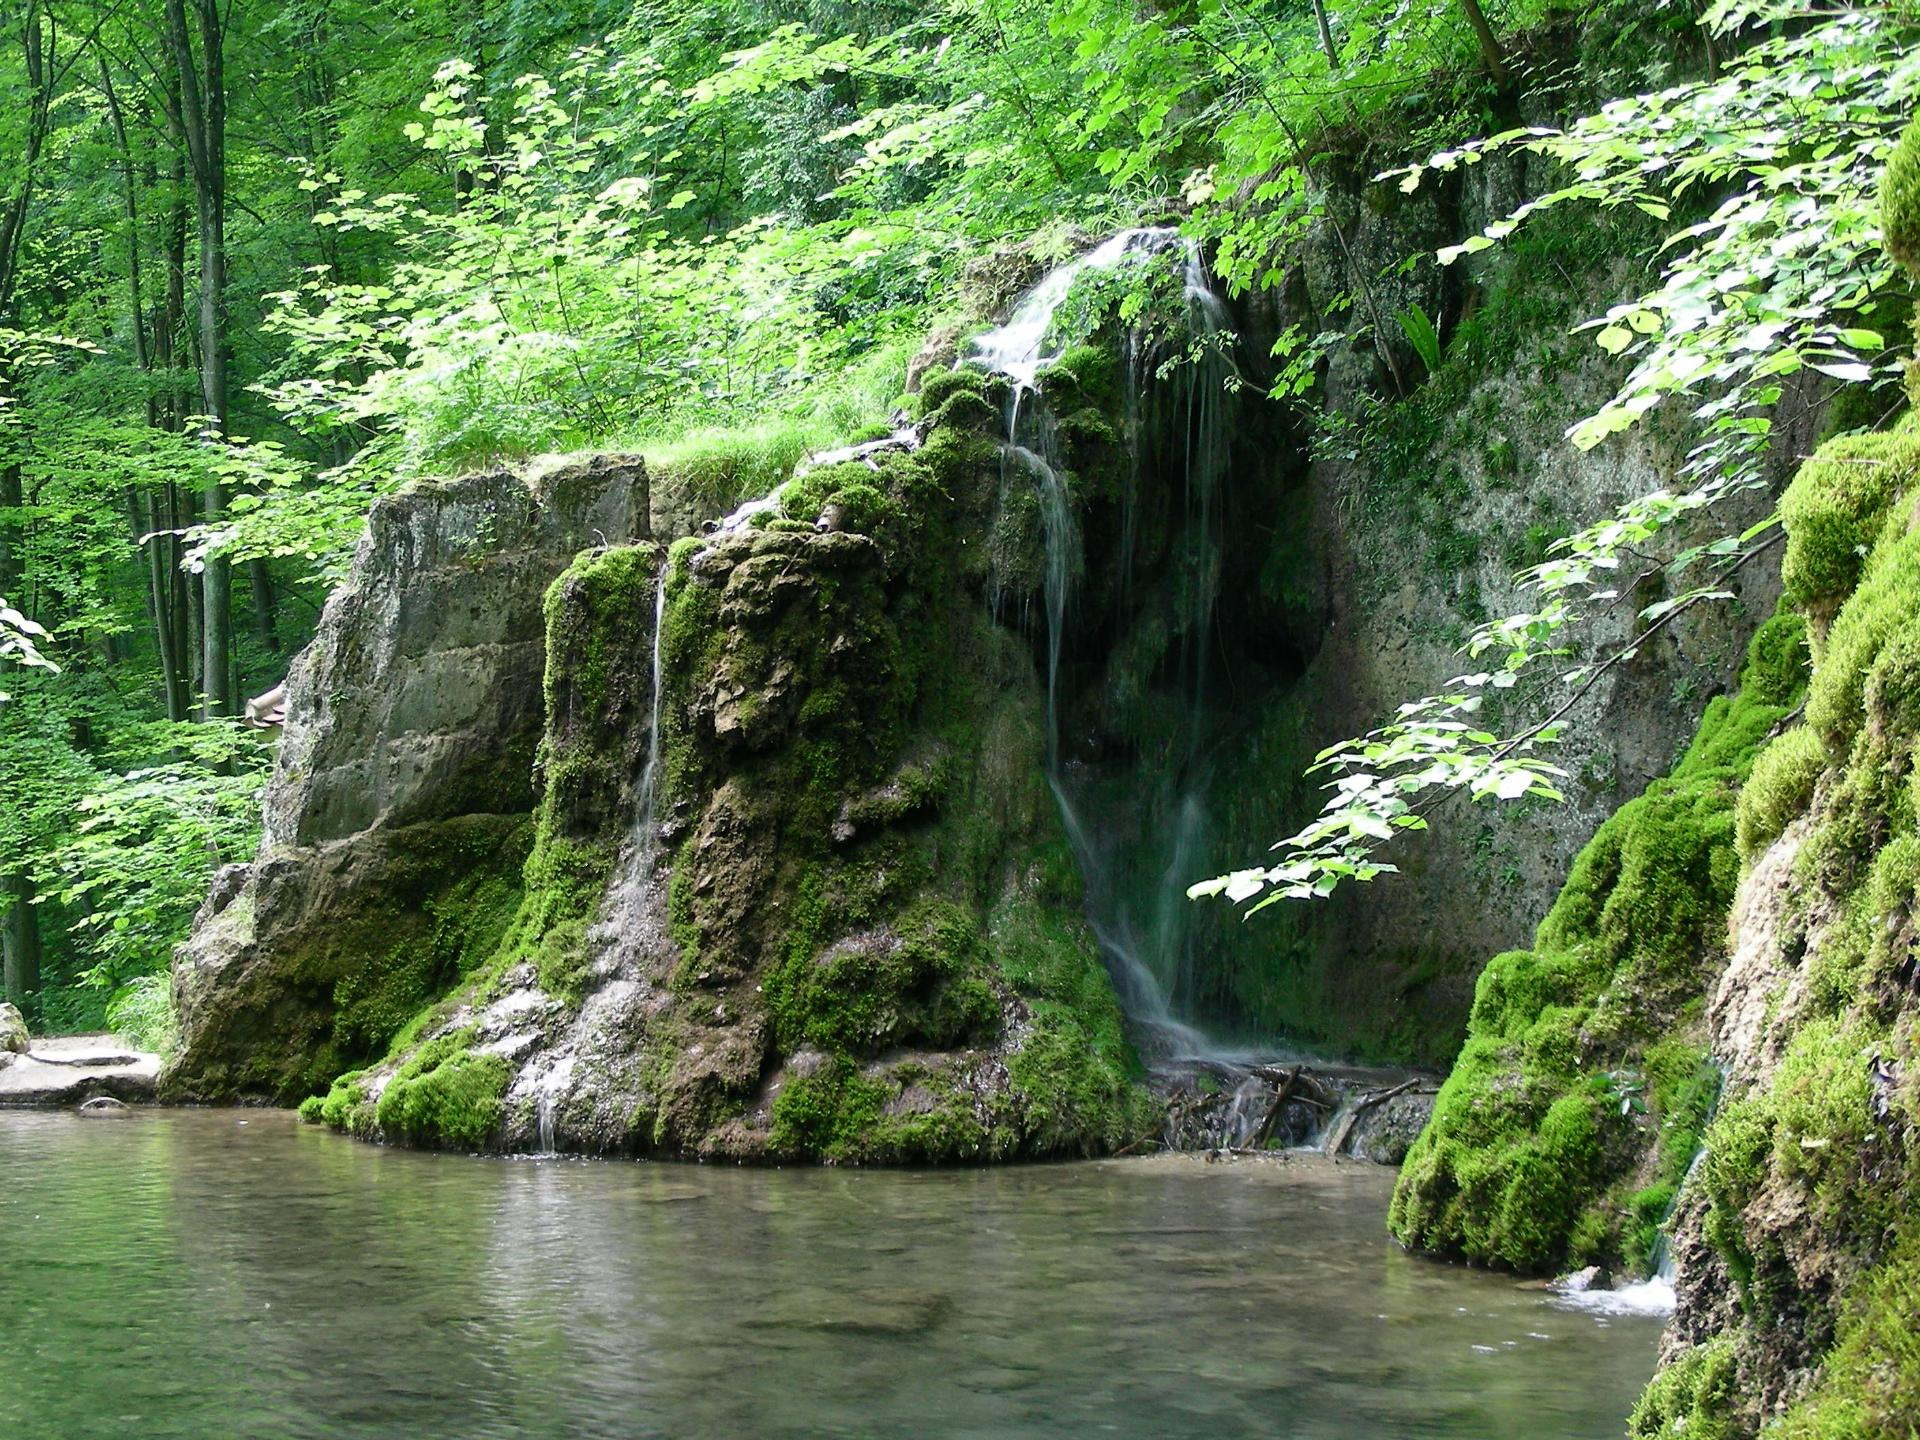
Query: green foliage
(1784, 274)
(141, 1012)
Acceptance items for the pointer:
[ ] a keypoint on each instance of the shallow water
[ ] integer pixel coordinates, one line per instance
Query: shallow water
(221, 1273)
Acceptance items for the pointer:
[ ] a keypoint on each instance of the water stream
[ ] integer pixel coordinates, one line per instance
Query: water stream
(181, 1275)
(1149, 955)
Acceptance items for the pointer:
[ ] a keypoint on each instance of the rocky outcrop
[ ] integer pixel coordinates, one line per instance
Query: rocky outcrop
(825, 909)
(398, 815)
(1797, 1245)
(77, 1070)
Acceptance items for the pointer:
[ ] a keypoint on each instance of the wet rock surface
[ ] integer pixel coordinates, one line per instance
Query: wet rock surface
(76, 1070)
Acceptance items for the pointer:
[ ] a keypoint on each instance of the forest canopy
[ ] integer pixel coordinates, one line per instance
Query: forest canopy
(263, 263)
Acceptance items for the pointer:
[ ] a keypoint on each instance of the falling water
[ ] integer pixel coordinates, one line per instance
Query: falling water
(1019, 350)
(649, 775)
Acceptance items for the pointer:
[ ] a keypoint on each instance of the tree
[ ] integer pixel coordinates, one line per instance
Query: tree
(199, 56)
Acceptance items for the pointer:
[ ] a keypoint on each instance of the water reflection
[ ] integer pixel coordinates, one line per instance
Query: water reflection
(201, 1274)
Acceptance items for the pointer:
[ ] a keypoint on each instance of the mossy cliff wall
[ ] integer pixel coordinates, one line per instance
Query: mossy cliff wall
(1715, 1032)
(1576, 1106)
(1797, 1245)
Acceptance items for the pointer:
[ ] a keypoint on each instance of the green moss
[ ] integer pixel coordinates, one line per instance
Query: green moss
(344, 1107)
(445, 1094)
(1779, 789)
(921, 982)
(1692, 1399)
(1871, 1380)
(1582, 1068)
(1083, 375)
(1833, 510)
(940, 386)
(830, 1113)
(1900, 200)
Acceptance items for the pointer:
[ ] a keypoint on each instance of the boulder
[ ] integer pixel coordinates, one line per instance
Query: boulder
(13, 1032)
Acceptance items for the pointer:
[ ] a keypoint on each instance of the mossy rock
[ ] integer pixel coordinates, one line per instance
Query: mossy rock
(1833, 512)
(1580, 1096)
(1900, 200)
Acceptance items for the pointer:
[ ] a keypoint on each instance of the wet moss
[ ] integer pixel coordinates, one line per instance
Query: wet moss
(1579, 1096)
(1900, 200)
(446, 1094)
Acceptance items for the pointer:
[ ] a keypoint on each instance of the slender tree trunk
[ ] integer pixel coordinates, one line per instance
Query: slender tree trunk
(143, 511)
(266, 606)
(20, 924)
(19, 939)
(1326, 33)
(1491, 54)
(203, 120)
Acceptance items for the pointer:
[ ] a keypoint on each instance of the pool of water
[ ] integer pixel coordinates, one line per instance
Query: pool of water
(219, 1273)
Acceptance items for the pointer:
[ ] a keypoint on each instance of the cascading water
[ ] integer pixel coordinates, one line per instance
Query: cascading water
(650, 774)
(1152, 962)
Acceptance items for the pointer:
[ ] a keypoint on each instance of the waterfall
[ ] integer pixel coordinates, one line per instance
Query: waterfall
(1149, 971)
(650, 774)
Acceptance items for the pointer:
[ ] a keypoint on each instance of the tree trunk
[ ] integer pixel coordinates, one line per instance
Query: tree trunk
(266, 607)
(1490, 53)
(203, 121)
(19, 939)
(1326, 33)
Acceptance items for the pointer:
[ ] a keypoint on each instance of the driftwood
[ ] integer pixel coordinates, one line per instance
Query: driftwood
(1337, 1137)
(1265, 1132)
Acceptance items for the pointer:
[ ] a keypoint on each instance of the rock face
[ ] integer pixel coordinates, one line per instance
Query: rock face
(13, 1032)
(397, 818)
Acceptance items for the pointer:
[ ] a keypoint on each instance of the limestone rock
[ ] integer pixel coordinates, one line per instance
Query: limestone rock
(395, 819)
(13, 1031)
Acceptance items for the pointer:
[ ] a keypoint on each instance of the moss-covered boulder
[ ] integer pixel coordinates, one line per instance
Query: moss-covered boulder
(1577, 1104)
(397, 820)
(812, 900)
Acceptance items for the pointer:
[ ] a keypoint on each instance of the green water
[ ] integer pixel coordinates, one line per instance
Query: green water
(219, 1273)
